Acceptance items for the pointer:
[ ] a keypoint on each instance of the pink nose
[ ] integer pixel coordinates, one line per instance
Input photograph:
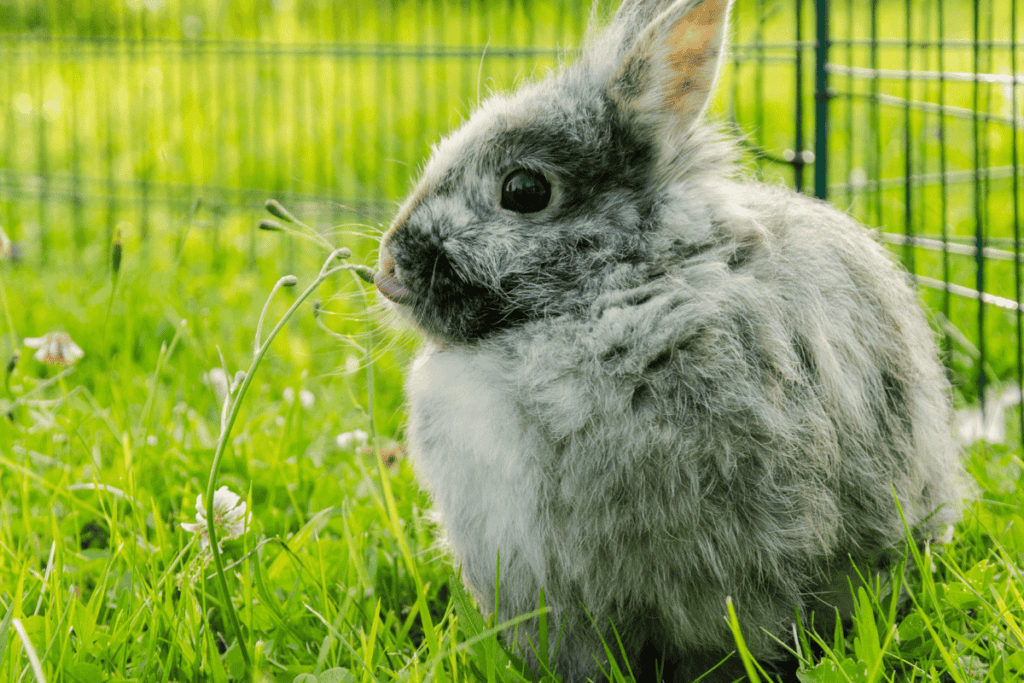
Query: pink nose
(386, 281)
(385, 262)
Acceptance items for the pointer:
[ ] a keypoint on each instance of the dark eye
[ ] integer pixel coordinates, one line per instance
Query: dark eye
(525, 191)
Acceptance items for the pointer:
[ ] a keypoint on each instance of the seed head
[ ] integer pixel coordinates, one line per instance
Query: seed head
(274, 208)
(115, 257)
(270, 226)
(365, 273)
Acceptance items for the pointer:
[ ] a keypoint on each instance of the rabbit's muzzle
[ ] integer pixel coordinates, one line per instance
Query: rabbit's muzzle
(386, 278)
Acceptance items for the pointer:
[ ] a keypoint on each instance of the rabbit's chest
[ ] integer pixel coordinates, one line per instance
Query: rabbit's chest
(477, 457)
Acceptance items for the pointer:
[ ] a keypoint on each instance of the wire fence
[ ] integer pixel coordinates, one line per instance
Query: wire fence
(167, 120)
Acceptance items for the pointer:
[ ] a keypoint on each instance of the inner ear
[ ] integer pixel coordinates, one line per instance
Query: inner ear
(670, 72)
(694, 52)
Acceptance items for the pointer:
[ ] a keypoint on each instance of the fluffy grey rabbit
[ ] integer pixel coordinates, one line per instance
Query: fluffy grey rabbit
(649, 384)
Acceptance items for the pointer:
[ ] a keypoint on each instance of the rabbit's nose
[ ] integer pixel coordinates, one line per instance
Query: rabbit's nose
(386, 278)
(385, 261)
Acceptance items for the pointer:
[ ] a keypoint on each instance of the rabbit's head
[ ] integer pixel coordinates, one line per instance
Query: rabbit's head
(546, 197)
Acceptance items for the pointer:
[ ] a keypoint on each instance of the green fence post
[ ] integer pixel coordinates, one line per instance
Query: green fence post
(821, 98)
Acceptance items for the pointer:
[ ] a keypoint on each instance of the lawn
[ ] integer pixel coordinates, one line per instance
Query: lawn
(163, 154)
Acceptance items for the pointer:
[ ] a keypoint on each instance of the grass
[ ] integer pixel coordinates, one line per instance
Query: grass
(337, 577)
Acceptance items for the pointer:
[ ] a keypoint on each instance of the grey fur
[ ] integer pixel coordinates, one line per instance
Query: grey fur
(670, 386)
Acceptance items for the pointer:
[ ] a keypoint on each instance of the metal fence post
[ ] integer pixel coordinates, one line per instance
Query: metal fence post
(821, 98)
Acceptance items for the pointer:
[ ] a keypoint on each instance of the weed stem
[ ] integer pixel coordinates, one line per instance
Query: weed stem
(236, 402)
(286, 281)
(10, 321)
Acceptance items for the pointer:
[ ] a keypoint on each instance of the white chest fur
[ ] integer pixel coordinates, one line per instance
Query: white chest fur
(482, 467)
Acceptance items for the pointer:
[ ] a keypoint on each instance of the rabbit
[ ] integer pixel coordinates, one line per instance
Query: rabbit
(648, 385)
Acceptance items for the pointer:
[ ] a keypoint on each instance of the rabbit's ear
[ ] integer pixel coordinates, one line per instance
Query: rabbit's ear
(666, 75)
(635, 15)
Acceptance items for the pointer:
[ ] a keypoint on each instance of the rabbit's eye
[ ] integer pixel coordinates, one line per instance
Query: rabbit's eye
(525, 191)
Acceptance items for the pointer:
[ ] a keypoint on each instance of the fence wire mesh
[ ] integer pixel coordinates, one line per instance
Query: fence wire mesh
(167, 120)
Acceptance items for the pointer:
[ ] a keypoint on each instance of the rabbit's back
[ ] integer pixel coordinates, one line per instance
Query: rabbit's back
(864, 346)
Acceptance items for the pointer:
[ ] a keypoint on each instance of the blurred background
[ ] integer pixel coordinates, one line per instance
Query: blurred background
(164, 125)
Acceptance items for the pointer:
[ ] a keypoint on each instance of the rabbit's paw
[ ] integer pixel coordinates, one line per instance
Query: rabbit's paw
(647, 328)
(635, 296)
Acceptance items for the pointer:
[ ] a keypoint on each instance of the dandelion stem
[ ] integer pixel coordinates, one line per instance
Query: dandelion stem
(236, 402)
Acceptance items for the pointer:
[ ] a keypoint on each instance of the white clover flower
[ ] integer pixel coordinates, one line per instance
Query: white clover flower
(6, 246)
(56, 348)
(356, 437)
(217, 380)
(306, 397)
(229, 516)
(974, 425)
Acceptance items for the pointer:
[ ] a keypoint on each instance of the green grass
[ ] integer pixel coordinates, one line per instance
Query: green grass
(338, 575)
